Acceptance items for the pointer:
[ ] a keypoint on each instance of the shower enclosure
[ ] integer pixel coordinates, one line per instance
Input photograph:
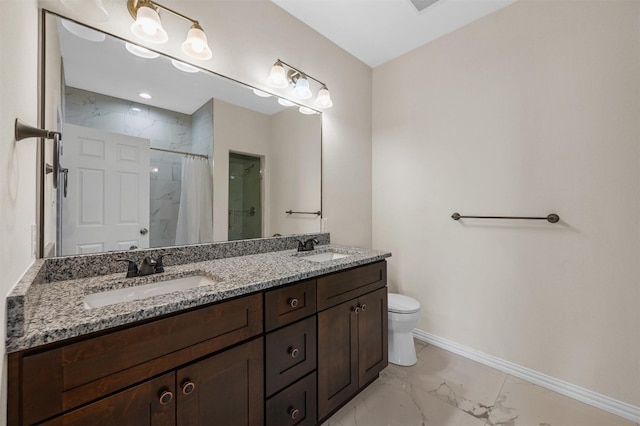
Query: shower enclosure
(245, 197)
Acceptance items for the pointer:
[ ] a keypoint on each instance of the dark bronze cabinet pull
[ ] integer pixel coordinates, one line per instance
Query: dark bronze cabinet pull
(293, 352)
(188, 387)
(356, 310)
(293, 302)
(363, 307)
(166, 397)
(294, 413)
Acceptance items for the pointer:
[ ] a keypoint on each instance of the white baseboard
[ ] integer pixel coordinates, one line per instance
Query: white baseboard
(603, 402)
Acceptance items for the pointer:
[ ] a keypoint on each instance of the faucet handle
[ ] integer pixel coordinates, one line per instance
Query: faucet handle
(132, 270)
(159, 262)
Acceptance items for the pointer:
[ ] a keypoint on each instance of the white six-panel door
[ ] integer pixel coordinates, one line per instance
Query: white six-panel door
(107, 203)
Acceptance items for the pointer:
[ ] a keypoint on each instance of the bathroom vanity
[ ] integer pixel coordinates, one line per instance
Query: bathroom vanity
(283, 344)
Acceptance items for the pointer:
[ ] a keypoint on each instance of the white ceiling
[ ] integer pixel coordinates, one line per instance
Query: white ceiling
(376, 31)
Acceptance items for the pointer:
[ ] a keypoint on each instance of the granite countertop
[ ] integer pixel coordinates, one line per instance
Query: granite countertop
(59, 312)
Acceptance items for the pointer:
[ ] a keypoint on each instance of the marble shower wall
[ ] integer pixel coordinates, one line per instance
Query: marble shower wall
(165, 129)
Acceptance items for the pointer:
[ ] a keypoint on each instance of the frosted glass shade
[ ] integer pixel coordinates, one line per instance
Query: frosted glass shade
(278, 77)
(196, 45)
(302, 90)
(148, 27)
(323, 100)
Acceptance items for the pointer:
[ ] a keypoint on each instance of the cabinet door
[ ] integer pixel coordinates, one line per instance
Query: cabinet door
(225, 389)
(372, 335)
(150, 403)
(337, 356)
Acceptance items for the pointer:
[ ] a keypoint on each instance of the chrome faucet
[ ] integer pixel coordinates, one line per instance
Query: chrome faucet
(307, 245)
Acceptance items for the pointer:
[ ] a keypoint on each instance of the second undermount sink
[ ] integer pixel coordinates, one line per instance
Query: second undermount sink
(324, 257)
(111, 297)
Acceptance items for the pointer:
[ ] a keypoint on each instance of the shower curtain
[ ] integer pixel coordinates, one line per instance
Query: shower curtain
(195, 214)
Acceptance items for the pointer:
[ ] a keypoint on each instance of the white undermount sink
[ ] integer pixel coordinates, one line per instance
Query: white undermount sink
(324, 257)
(111, 297)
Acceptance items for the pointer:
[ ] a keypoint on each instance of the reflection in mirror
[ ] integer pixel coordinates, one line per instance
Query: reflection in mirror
(156, 152)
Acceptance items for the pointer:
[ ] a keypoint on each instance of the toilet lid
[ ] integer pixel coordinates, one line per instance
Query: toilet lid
(402, 304)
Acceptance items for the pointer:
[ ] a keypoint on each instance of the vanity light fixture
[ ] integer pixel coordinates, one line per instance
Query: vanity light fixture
(148, 27)
(280, 78)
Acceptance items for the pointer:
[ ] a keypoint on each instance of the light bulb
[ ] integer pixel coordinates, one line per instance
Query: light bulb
(196, 44)
(148, 26)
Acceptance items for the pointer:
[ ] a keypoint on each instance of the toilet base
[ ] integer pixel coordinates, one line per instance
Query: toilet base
(402, 349)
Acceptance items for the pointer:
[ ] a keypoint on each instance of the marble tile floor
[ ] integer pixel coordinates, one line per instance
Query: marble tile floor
(445, 389)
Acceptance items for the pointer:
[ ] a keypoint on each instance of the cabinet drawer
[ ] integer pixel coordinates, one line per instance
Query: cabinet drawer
(290, 354)
(342, 286)
(286, 305)
(64, 378)
(296, 405)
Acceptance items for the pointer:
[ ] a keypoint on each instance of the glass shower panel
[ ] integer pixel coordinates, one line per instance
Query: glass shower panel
(245, 197)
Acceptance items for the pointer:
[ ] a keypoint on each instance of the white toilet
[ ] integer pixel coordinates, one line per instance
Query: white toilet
(404, 314)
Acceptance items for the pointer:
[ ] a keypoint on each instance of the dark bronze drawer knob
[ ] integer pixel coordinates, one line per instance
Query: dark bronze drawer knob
(363, 307)
(293, 352)
(294, 413)
(166, 397)
(293, 302)
(356, 310)
(188, 387)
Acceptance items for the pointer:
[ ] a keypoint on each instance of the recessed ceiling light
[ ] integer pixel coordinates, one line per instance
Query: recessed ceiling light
(82, 31)
(184, 67)
(144, 95)
(285, 102)
(140, 51)
(262, 94)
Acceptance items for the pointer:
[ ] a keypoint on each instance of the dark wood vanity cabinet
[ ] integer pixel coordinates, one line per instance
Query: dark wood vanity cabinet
(288, 356)
(352, 335)
(100, 371)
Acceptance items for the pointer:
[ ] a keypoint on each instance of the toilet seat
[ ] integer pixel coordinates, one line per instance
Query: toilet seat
(402, 304)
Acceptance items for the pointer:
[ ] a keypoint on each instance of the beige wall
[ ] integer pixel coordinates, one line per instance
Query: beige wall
(238, 130)
(528, 111)
(18, 88)
(295, 154)
(246, 38)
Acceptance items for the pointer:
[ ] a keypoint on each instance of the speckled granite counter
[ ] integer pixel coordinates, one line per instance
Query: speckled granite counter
(57, 311)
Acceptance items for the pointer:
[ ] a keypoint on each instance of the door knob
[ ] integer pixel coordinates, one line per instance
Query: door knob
(144, 231)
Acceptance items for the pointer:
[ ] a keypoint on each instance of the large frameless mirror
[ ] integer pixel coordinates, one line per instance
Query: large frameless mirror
(157, 153)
